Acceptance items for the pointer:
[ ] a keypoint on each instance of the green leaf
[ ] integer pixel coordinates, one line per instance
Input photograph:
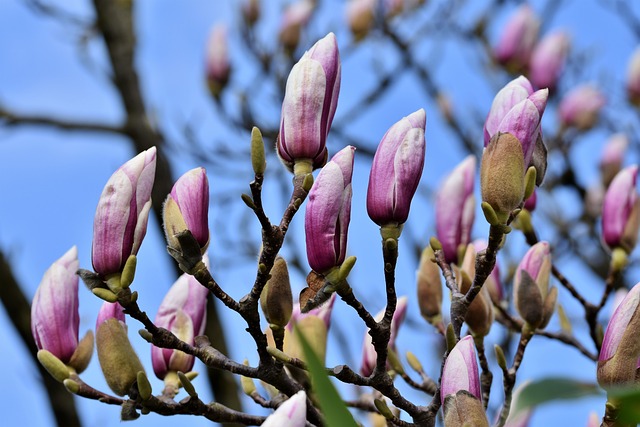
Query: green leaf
(331, 404)
(627, 401)
(550, 389)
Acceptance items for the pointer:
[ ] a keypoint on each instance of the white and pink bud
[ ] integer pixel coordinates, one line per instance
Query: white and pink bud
(548, 59)
(580, 108)
(292, 413)
(121, 217)
(455, 208)
(310, 102)
(217, 65)
(621, 211)
(396, 170)
(518, 39)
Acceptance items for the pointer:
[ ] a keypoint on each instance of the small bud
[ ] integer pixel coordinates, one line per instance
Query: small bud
(310, 102)
(500, 357)
(218, 68)
(396, 170)
(328, 213)
(581, 107)
(383, 408)
(128, 271)
(71, 386)
(621, 211)
(276, 300)
(121, 217)
(187, 385)
(292, 413)
(517, 39)
(187, 208)
(58, 370)
(502, 175)
(144, 386)
(633, 78)
(105, 295)
(413, 361)
(361, 16)
(455, 208)
(82, 356)
(258, 161)
(429, 284)
(294, 19)
(612, 156)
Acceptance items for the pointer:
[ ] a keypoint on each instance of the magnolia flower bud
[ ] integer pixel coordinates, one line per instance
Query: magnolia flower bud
(455, 208)
(326, 220)
(594, 420)
(460, 387)
(309, 104)
(292, 413)
(621, 211)
(314, 325)
(182, 312)
(110, 310)
(187, 208)
(429, 288)
(517, 110)
(369, 354)
(54, 310)
(533, 298)
(548, 58)
(633, 77)
(502, 174)
(119, 362)
(217, 60)
(620, 353)
(295, 18)
(580, 107)
(612, 157)
(480, 313)
(361, 15)
(121, 217)
(276, 300)
(518, 38)
(396, 170)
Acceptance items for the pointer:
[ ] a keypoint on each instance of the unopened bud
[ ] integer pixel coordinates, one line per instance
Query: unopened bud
(276, 300)
(257, 152)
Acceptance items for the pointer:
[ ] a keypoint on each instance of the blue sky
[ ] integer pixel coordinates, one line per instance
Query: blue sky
(51, 180)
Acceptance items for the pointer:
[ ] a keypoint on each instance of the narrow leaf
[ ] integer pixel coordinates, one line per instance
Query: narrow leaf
(551, 389)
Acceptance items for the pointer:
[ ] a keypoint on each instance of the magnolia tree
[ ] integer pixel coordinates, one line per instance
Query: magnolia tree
(476, 376)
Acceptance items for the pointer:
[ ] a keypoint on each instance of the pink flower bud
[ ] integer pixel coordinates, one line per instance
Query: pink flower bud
(594, 420)
(326, 220)
(121, 217)
(621, 211)
(455, 208)
(323, 313)
(187, 208)
(580, 107)
(460, 372)
(295, 18)
(369, 354)
(110, 310)
(183, 312)
(314, 325)
(533, 298)
(396, 170)
(612, 157)
(217, 60)
(517, 110)
(361, 15)
(518, 38)
(309, 104)
(633, 77)
(548, 59)
(54, 310)
(292, 413)
(620, 353)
